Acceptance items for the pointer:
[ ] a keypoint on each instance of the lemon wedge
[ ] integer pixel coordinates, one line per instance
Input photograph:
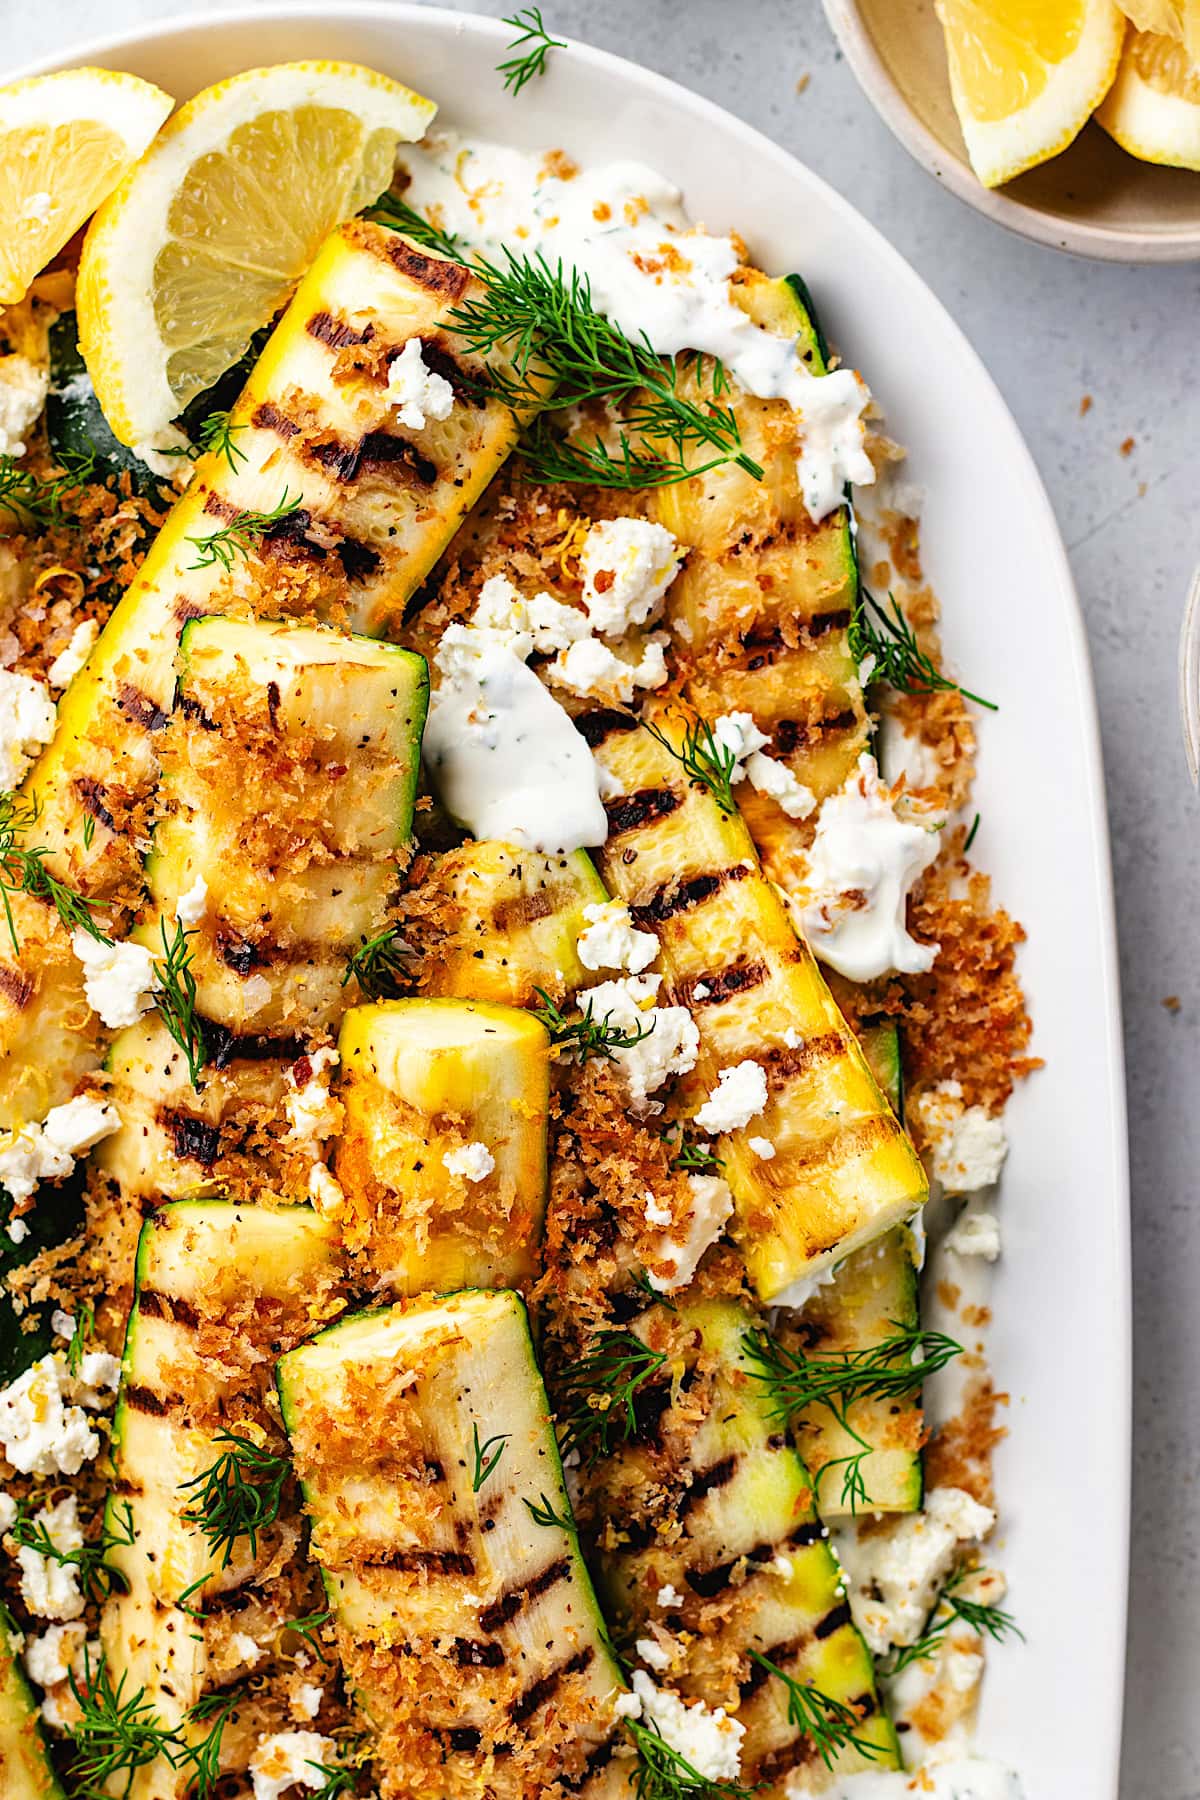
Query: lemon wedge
(1153, 107)
(1168, 18)
(65, 142)
(205, 239)
(1027, 75)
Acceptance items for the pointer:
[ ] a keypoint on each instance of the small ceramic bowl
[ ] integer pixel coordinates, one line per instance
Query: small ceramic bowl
(1093, 200)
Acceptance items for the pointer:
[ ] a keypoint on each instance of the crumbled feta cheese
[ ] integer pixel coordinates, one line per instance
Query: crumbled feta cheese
(119, 980)
(42, 1428)
(8, 1513)
(610, 940)
(27, 716)
(307, 1700)
(799, 1292)
(655, 1214)
(668, 1596)
(737, 734)
(712, 1204)
(627, 566)
(17, 1230)
(739, 1096)
(50, 1589)
(852, 905)
(192, 904)
(966, 1146)
(542, 624)
(68, 662)
(46, 1152)
(627, 1706)
(652, 1653)
(709, 1739)
(289, 1759)
(775, 779)
(671, 1043)
(975, 1234)
(762, 1147)
(590, 669)
(416, 391)
(23, 389)
(933, 1700)
(248, 1653)
(324, 1189)
(701, 991)
(474, 1161)
(896, 1570)
(51, 1655)
(313, 1113)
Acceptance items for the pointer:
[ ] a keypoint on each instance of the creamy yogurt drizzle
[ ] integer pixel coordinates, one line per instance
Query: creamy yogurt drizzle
(651, 272)
(966, 1778)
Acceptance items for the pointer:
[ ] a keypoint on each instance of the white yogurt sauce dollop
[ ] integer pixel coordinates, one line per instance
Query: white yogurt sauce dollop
(651, 272)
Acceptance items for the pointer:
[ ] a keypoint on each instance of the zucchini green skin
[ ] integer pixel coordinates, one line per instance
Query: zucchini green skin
(249, 1278)
(76, 427)
(874, 1293)
(26, 1772)
(466, 1624)
(715, 1505)
(419, 1080)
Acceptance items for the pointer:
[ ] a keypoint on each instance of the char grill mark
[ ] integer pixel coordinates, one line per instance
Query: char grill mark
(268, 417)
(819, 626)
(706, 1482)
(443, 362)
(464, 1738)
(185, 609)
(797, 734)
(709, 1582)
(194, 712)
(16, 988)
(194, 1140)
(226, 1047)
(140, 708)
(93, 797)
(432, 1562)
(433, 273)
(598, 1760)
(335, 332)
(500, 1611)
(155, 1305)
(375, 450)
(783, 1063)
(645, 807)
(472, 1653)
(522, 909)
(602, 722)
(676, 897)
(145, 1400)
(537, 1694)
(833, 1621)
(726, 983)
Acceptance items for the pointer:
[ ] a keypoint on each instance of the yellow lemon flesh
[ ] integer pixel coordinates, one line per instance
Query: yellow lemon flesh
(1027, 75)
(1153, 107)
(206, 238)
(65, 142)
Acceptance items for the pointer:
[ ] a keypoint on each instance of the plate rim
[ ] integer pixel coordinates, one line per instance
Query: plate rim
(1091, 243)
(757, 144)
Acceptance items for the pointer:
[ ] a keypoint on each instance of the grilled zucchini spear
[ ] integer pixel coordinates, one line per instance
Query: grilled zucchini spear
(25, 1768)
(289, 773)
(469, 1628)
(843, 1172)
(442, 1158)
(323, 504)
(219, 1290)
(710, 1531)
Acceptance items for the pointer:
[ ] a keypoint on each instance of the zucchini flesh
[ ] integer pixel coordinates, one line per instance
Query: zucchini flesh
(767, 595)
(710, 1501)
(422, 1079)
(843, 1171)
(26, 1772)
(376, 511)
(469, 1630)
(219, 1289)
(289, 775)
(49, 1038)
(514, 919)
(873, 1294)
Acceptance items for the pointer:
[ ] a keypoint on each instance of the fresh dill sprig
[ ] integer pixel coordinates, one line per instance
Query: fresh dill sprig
(485, 1462)
(117, 1733)
(886, 635)
(533, 42)
(828, 1724)
(308, 1626)
(644, 1285)
(704, 759)
(339, 1779)
(970, 837)
(394, 211)
(31, 499)
(89, 1559)
(699, 1158)
(543, 319)
(23, 870)
(586, 1035)
(893, 1369)
(542, 1512)
(81, 1331)
(175, 997)
(664, 1773)
(989, 1621)
(600, 1393)
(238, 1495)
(205, 1754)
(217, 434)
(241, 535)
(89, 831)
(380, 965)
(551, 456)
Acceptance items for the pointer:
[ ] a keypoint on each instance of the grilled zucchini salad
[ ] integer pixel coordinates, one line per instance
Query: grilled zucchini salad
(489, 966)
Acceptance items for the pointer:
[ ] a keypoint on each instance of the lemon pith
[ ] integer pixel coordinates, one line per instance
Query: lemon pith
(1153, 107)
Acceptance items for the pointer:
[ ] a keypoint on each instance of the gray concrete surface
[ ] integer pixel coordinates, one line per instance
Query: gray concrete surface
(1051, 330)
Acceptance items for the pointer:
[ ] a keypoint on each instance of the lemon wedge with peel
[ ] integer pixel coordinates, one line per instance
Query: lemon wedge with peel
(1153, 107)
(205, 239)
(65, 142)
(1027, 75)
